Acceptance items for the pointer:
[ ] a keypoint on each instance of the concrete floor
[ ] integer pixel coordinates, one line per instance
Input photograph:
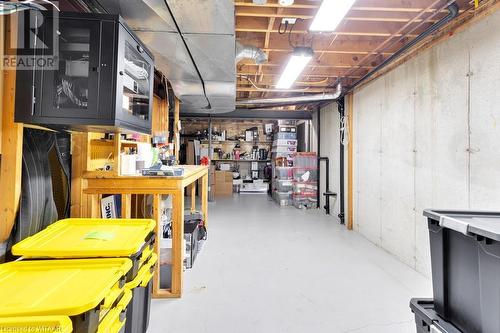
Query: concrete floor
(267, 269)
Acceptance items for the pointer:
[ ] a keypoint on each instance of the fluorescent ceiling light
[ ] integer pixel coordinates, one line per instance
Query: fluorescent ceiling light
(330, 14)
(296, 64)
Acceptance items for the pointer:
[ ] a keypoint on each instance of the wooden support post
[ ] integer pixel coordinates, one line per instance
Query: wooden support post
(12, 144)
(95, 206)
(177, 242)
(193, 196)
(350, 161)
(126, 209)
(177, 137)
(204, 197)
(117, 149)
(79, 153)
(157, 218)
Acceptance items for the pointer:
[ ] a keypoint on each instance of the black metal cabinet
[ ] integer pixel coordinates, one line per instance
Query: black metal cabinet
(103, 82)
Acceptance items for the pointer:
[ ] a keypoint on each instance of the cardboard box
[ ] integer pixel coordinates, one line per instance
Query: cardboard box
(223, 183)
(224, 189)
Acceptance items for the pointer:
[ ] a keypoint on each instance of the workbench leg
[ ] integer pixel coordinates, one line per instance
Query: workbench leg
(204, 198)
(177, 242)
(193, 197)
(95, 206)
(157, 218)
(126, 206)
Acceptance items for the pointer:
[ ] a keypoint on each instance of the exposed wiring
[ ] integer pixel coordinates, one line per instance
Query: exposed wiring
(281, 25)
(313, 83)
(344, 131)
(266, 89)
(304, 36)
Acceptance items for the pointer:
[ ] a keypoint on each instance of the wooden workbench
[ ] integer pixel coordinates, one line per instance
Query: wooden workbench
(96, 185)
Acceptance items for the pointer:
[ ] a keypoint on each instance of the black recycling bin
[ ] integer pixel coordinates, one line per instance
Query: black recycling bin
(465, 255)
(426, 318)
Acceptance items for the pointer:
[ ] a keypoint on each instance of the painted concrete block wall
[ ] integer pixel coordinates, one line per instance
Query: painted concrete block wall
(427, 136)
(330, 127)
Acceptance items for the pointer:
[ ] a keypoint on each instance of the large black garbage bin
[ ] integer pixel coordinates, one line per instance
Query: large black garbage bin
(426, 318)
(465, 254)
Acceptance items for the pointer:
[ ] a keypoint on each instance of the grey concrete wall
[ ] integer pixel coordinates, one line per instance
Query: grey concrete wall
(330, 126)
(427, 136)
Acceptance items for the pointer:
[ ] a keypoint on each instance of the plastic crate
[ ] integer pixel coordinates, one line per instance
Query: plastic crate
(426, 318)
(283, 173)
(87, 290)
(284, 149)
(305, 174)
(114, 322)
(283, 198)
(284, 185)
(305, 201)
(285, 142)
(285, 136)
(305, 160)
(92, 238)
(465, 258)
(141, 288)
(305, 189)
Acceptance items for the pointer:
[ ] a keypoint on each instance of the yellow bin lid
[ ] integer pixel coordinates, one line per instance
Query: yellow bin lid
(49, 324)
(58, 287)
(84, 238)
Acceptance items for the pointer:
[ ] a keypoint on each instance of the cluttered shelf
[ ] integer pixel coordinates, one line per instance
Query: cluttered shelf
(240, 160)
(237, 141)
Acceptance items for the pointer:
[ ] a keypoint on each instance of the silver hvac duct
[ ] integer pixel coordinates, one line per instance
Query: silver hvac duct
(250, 52)
(283, 101)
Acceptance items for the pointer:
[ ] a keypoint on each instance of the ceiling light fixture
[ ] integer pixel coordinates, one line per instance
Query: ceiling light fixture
(330, 14)
(296, 64)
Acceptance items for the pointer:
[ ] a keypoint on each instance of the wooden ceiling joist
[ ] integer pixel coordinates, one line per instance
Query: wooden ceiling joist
(372, 31)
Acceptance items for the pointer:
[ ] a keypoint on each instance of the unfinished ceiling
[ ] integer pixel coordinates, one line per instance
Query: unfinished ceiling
(371, 32)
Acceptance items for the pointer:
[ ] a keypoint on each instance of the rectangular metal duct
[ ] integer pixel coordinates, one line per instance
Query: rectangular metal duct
(193, 42)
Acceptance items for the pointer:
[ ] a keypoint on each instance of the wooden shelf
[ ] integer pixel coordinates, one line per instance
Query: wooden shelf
(241, 160)
(129, 142)
(236, 141)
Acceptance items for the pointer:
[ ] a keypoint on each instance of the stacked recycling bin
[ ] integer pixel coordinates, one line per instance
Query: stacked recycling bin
(284, 147)
(465, 255)
(81, 275)
(305, 180)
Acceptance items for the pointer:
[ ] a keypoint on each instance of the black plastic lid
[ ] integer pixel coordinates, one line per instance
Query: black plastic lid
(472, 223)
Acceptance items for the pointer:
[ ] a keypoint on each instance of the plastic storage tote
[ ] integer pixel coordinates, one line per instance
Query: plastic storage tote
(93, 238)
(285, 136)
(283, 198)
(307, 189)
(49, 324)
(305, 201)
(284, 185)
(139, 309)
(465, 256)
(85, 290)
(305, 174)
(283, 173)
(114, 322)
(305, 160)
(426, 318)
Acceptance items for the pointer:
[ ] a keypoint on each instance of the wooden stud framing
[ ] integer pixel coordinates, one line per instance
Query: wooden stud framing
(177, 139)
(12, 141)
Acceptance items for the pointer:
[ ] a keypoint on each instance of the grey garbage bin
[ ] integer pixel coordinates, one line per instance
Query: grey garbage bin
(465, 255)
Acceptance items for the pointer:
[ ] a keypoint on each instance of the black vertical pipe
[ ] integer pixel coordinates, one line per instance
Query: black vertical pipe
(341, 108)
(318, 130)
(210, 157)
